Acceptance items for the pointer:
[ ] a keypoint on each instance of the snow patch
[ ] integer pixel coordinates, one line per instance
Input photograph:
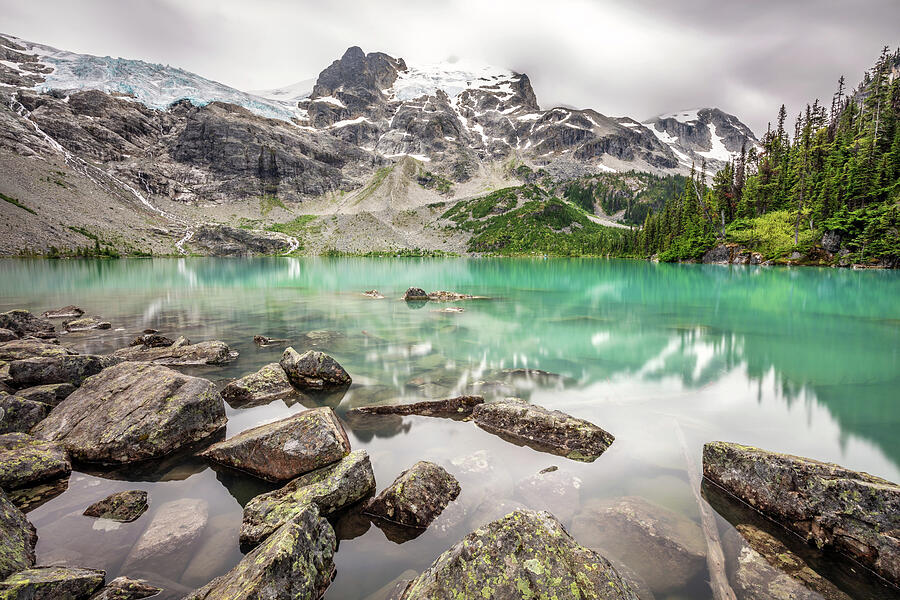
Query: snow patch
(718, 151)
(451, 78)
(683, 116)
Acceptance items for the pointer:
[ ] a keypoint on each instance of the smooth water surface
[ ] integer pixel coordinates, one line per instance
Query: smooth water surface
(666, 357)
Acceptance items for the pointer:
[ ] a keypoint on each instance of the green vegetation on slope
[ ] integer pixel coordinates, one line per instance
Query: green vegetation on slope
(15, 202)
(638, 194)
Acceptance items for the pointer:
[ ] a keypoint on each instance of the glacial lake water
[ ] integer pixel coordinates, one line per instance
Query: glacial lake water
(666, 357)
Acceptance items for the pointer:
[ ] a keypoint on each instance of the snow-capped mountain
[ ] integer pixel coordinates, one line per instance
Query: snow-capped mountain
(705, 135)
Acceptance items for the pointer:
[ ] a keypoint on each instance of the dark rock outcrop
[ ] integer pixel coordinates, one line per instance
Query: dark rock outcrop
(415, 294)
(50, 394)
(542, 429)
(523, 555)
(132, 412)
(286, 448)
(122, 506)
(416, 497)
(56, 369)
(731, 254)
(44, 583)
(851, 512)
(22, 323)
(460, 406)
(26, 461)
(17, 538)
(19, 414)
(313, 370)
(31, 348)
(330, 488)
(212, 352)
(221, 240)
(268, 384)
(152, 340)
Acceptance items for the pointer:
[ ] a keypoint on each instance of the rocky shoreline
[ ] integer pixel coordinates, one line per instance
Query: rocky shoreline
(60, 409)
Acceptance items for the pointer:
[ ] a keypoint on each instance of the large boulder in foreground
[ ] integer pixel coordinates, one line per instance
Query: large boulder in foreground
(26, 461)
(329, 488)
(56, 583)
(523, 555)
(268, 384)
(459, 406)
(295, 562)
(416, 497)
(31, 348)
(284, 449)
(19, 414)
(17, 538)
(851, 512)
(23, 323)
(56, 369)
(313, 370)
(543, 429)
(133, 412)
(204, 353)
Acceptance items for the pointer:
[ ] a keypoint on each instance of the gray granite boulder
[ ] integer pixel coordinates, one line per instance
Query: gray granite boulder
(203, 353)
(52, 583)
(26, 461)
(55, 369)
(416, 497)
(124, 506)
(268, 384)
(19, 414)
(17, 538)
(313, 370)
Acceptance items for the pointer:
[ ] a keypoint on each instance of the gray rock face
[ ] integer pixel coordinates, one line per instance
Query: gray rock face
(22, 323)
(133, 412)
(212, 352)
(330, 488)
(26, 461)
(295, 562)
(66, 312)
(852, 512)
(416, 497)
(124, 588)
(17, 538)
(666, 549)
(831, 241)
(55, 369)
(31, 348)
(542, 429)
(313, 370)
(460, 406)
(268, 384)
(50, 394)
(691, 134)
(523, 555)
(122, 506)
(52, 583)
(286, 448)
(731, 254)
(19, 414)
(221, 240)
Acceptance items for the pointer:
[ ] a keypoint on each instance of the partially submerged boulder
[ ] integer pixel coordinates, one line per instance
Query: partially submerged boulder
(26, 461)
(31, 348)
(555, 491)
(523, 555)
(50, 394)
(460, 406)
(415, 294)
(329, 488)
(262, 341)
(286, 448)
(17, 538)
(22, 323)
(268, 384)
(133, 412)
(55, 369)
(543, 429)
(19, 414)
(665, 548)
(416, 497)
(854, 513)
(86, 324)
(175, 527)
(123, 507)
(313, 370)
(66, 312)
(152, 340)
(46, 583)
(297, 561)
(125, 588)
(204, 353)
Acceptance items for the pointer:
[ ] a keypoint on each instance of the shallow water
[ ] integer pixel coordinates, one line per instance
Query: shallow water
(803, 361)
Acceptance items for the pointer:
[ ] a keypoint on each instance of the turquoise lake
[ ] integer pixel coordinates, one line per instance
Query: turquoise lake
(665, 357)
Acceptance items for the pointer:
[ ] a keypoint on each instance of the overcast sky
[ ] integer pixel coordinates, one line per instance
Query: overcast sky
(621, 57)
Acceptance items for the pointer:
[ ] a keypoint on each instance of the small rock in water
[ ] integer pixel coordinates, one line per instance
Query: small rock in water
(415, 294)
(66, 312)
(125, 588)
(373, 294)
(263, 341)
(85, 324)
(46, 583)
(313, 370)
(121, 506)
(266, 385)
(460, 406)
(416, 496)
(450, 309)
(445, 296)
(152, 340)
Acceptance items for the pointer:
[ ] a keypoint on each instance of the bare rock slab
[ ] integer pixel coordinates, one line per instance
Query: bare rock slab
(122, 506)
(416, 497)
(31, 348)
(329, 488)
(17, 538)
(313, 370)
(268, 384)
(133, 412)
(543, 429)
(212, 352)
(294, 563)
(19, 414)
(26, 461)
(854, 513)
(523, 555)
(56, 583)
(460, 406)
(125, 588)
(286, 448)
(55, 369)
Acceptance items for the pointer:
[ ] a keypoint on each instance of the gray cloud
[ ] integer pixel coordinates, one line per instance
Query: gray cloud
(621, 57)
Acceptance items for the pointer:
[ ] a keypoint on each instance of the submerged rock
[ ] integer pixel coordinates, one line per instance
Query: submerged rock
(556, 491)
(295, 562)
(50, 394)
(329, 488)
(373, 294)
(17, 538)
(445, 296)
(665, 548)
(542, 429)
(852, 512)
(268, 384)
(26, 461)
(416, 497)
(286, 448)
(56, 583)
(122, 506)
(22, 323)
(86, 324)
(460, 406)
(133, 412)
(19, 414)
(204, 353)
(31, 348)
(175, 526)
(66, 312)
(523, 555)
(415, 294)
(55, 369)
(125, 588)
(152, 340)
(313, 370)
